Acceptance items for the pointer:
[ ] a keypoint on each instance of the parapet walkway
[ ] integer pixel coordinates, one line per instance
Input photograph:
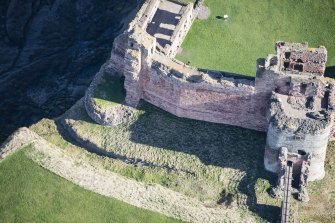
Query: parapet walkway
(178, 66)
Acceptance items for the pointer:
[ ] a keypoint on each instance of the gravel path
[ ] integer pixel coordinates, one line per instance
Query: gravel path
(204, 12)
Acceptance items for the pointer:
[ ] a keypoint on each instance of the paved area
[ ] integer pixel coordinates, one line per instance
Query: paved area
(165, 21)
(176, 66)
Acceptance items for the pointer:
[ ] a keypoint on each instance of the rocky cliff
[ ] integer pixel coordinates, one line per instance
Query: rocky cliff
(49, 52)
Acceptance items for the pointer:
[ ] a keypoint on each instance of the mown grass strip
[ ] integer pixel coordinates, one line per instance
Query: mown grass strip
(30, 193)
(252, 29)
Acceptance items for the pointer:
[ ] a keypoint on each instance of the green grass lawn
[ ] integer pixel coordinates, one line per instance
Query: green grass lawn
(198, 159)
(30, 193)
(110, 91)
(197, 152)
(214, 163)
(253, 28)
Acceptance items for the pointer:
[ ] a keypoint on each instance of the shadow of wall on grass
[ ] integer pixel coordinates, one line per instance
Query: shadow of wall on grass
(214, 144)
(71, 136)
(330, 72)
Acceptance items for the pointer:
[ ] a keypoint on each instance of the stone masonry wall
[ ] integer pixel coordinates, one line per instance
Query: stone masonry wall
(228, 101)
(315, 144)
(131, 72)
(180, 31)
(116, 64)
(120, 44)
(292, 125)
(148, 14)
(145, 14)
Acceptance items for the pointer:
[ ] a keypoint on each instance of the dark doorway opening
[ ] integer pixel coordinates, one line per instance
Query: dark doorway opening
(298, 67)
(324, 100)
(287, 55)
(301, 152)
(286, 65)
(303, 88)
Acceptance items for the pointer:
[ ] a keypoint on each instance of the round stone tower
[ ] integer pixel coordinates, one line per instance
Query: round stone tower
(300, 112)
(302, 126)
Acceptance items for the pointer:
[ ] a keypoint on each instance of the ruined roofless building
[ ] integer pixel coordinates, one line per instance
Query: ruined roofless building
(300, 110)
(289, 98)
(300, 114)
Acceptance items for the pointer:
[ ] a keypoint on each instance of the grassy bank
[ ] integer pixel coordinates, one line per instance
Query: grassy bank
(197, 158)
(253, 28)
(218, 164)
(30, 193)
(196, 171)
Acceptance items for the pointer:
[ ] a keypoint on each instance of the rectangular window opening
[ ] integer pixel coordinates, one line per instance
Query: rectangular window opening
(286, 65)
(287, 55)
(298, 67)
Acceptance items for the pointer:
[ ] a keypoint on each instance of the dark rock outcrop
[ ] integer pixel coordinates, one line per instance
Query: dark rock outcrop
(49, 52)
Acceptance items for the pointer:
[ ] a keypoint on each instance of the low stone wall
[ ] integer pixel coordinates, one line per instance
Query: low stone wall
(109, 115)
(150, 7)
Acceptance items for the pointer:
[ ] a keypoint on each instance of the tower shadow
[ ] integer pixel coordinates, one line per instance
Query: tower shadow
(330, 72)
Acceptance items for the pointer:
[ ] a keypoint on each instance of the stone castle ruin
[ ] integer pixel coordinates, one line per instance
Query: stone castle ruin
(289, 98)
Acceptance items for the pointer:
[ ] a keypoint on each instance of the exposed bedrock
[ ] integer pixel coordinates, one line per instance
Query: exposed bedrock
(49, 52)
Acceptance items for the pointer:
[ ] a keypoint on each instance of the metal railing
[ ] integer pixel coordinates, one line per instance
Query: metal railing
(285, 206)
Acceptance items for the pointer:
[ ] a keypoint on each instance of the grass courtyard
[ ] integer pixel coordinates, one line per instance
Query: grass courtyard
(29, 193)
(110, 91)
(253, 28)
